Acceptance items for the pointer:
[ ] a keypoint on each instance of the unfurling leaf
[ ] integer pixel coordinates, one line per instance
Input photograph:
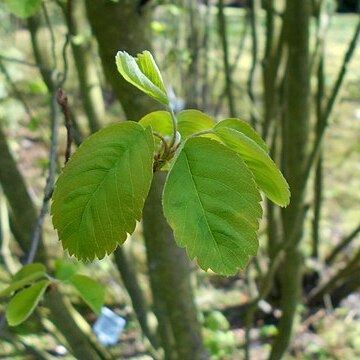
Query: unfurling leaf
(244, 128)
(266, 174)
(188, 122)
(64, 269)
(143, 73)
(90, 291)
(102, 189)
(212, 203)
(192, 121)
(24, 303)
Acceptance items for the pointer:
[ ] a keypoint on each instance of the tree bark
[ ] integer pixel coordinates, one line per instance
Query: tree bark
(169, 276)
(110, 22)
(297, 91)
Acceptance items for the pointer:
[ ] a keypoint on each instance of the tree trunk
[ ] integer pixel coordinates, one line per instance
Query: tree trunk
(109, 22)
(122, 26)
(297, 91)
(169, 276)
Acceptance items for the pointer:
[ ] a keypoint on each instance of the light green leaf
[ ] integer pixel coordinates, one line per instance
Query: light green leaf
(212, 203)
(143, 73)
(64, 269)
(192, 121)
(102, 189)
(24, 303)
(23, 8)
(19, 284)
(267, 176)
(245, 128)
(29, 269)
(160, 121)
(90, 291)
(23, 277)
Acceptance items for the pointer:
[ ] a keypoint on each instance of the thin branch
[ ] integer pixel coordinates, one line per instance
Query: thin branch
(331, 102)
(15, 90)
(327, 287)
(62, 100)
(19, 61)
(253, 13)
(342, 245)
(52, 35)
(35, 237)
(224, 44)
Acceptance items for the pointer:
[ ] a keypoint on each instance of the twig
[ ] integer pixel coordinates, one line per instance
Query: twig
(331, 102)
(49, 187)
(62, 100)
(253, 14)
(342, 244)
(326, 288)
(19, 61)
(225, 51)
(52, 35)
(16, 91)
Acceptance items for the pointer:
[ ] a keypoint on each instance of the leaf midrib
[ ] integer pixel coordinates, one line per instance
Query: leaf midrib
(92, 195)
(202, 207)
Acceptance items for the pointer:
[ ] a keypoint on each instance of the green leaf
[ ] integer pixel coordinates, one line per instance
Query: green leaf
(143, 73)
(19, 284)
(23, 8)
(102, 189)
(212, 203)
(29, 269)
(23, 277)
(192, 121)
(267, 176)
(245, 128)
(160, 121)
(64, 269)
(90, 291)
(24, 303)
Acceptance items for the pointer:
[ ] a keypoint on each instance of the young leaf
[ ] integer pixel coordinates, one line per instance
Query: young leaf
(143, 73)
(64, 269)
(212, 203)
(245, 128)
(102, 190)
(19, 284)
(23, 303)
(160, 121)
(267, 176)
(23, 277)
(90, 291)
(29, 269)
(192, 121)
(23, 8)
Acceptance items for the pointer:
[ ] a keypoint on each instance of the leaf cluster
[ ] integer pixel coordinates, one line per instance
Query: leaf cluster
(30, 283)
(211, 198)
